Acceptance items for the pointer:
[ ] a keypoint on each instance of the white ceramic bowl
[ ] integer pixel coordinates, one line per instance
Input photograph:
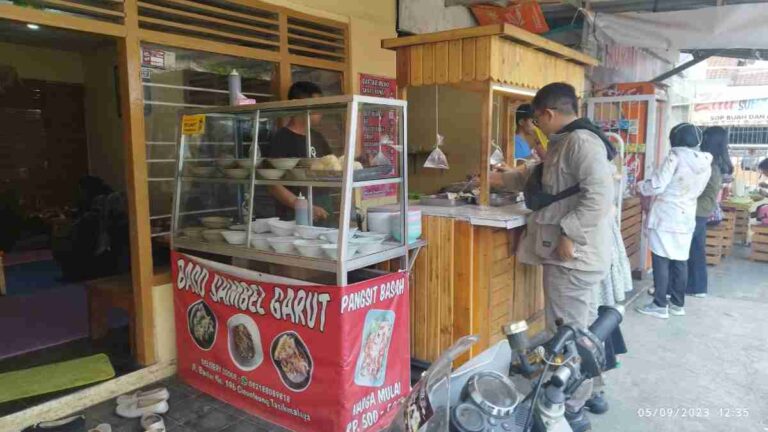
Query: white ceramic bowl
(216, 222)
(270, 174)
(332, 235)
(234, 237)
(367, 245)
(253, 331)
(262, 225)
(247, 163)
(370, 235)
(237, 173)
(261, 241)
(379, 222)
(213, 235)
(310, 248)
(195, 233)
(284, 163)
(332, 250)
(226, 162)
(299, 173)
(310, 232)
(282, 245)
(282, 228)
(203, 171)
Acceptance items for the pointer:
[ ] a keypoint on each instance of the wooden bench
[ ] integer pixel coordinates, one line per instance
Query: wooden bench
(105, 294)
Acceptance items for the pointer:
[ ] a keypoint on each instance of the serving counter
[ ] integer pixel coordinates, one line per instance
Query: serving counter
(465, 85)
(468, 281)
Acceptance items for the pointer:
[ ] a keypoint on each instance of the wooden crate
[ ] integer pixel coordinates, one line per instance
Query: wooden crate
(714, 246)
(741, 222)
(759, 243)
(631, 226)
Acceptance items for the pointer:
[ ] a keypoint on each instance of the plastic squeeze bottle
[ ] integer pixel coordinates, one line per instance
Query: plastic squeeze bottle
(301, 208)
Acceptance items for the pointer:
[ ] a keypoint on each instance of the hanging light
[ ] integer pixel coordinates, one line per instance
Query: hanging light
(33, 26)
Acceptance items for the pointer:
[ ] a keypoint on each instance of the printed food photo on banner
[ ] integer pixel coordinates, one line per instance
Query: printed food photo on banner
(202, 325)
(292, 361)
(244, 342)
(372, 362)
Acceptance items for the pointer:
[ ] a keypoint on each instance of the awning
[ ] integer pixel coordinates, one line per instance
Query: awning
(723, 27)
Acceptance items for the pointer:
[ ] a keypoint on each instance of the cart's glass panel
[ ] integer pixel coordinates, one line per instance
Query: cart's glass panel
(299, 151)
(175, 79)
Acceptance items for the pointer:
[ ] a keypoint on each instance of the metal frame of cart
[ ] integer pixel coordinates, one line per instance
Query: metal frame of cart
(345, 263)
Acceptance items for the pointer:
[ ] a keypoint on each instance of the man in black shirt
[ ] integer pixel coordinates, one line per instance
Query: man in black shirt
(291, 141)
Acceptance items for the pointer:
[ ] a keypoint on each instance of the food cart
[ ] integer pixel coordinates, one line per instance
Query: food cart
(465, 85)
(283, 318)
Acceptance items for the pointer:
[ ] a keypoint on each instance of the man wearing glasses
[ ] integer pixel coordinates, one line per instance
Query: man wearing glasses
(569, 231)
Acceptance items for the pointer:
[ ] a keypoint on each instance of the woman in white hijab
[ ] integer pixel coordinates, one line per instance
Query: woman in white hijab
(675, 188)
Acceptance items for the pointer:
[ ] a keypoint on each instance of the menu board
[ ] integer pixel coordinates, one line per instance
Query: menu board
(380, 127)
(309, 358)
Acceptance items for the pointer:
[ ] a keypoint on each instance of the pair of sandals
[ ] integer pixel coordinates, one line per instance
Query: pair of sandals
(147, 405)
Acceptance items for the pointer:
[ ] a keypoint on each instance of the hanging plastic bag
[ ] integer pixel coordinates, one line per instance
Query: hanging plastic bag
(497, 157)
(437, 158)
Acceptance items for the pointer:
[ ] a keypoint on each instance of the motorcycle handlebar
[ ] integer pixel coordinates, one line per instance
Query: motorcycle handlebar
(609, 318)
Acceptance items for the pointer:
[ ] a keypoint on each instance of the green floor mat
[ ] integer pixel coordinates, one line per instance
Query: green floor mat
(54, 377)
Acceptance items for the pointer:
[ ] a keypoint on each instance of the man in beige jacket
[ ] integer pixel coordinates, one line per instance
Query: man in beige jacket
(570, 237)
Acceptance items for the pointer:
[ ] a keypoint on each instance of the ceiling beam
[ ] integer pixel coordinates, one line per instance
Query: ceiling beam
(697, 58)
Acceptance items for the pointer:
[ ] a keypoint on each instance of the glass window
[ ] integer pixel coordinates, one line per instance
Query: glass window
(175, 79)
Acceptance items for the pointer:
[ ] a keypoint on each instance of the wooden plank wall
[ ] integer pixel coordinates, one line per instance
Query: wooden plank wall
(481, 59)
(631, 228)
(467, 281)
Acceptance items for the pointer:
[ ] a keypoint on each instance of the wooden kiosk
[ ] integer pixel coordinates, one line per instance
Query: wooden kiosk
(467, 280)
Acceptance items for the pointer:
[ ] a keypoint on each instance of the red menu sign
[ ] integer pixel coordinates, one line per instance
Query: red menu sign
(309, 358)
(380, 129)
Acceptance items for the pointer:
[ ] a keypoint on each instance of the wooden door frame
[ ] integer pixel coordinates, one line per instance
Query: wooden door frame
(128, 38)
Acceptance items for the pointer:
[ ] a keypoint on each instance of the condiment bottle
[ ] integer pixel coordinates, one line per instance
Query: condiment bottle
(301, 208)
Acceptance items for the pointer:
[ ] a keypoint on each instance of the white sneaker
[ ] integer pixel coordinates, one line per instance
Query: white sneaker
(700, 295)
(152, 423)
(140, 407)
(676, 310)
(158, 393)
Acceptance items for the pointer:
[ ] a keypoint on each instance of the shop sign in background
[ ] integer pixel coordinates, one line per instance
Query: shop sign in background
(377, 126)
(310, 358)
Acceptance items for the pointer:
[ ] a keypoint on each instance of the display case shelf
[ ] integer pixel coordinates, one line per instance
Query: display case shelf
(294, 183)
(389, 252)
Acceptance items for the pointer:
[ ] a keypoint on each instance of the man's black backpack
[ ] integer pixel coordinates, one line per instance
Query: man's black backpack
(536, 198)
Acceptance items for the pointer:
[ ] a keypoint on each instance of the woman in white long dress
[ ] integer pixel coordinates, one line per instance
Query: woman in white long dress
(675, 188)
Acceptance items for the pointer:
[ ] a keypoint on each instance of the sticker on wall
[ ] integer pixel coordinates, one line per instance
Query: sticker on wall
(193, 124)
(146, 73)
(157, 58)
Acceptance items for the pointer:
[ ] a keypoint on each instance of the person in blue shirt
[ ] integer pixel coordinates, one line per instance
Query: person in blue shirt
(525, 131)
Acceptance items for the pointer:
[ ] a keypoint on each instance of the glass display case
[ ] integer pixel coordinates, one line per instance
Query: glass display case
(284, 182)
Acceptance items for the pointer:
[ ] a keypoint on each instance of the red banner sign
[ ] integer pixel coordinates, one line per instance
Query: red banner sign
(310, 358)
